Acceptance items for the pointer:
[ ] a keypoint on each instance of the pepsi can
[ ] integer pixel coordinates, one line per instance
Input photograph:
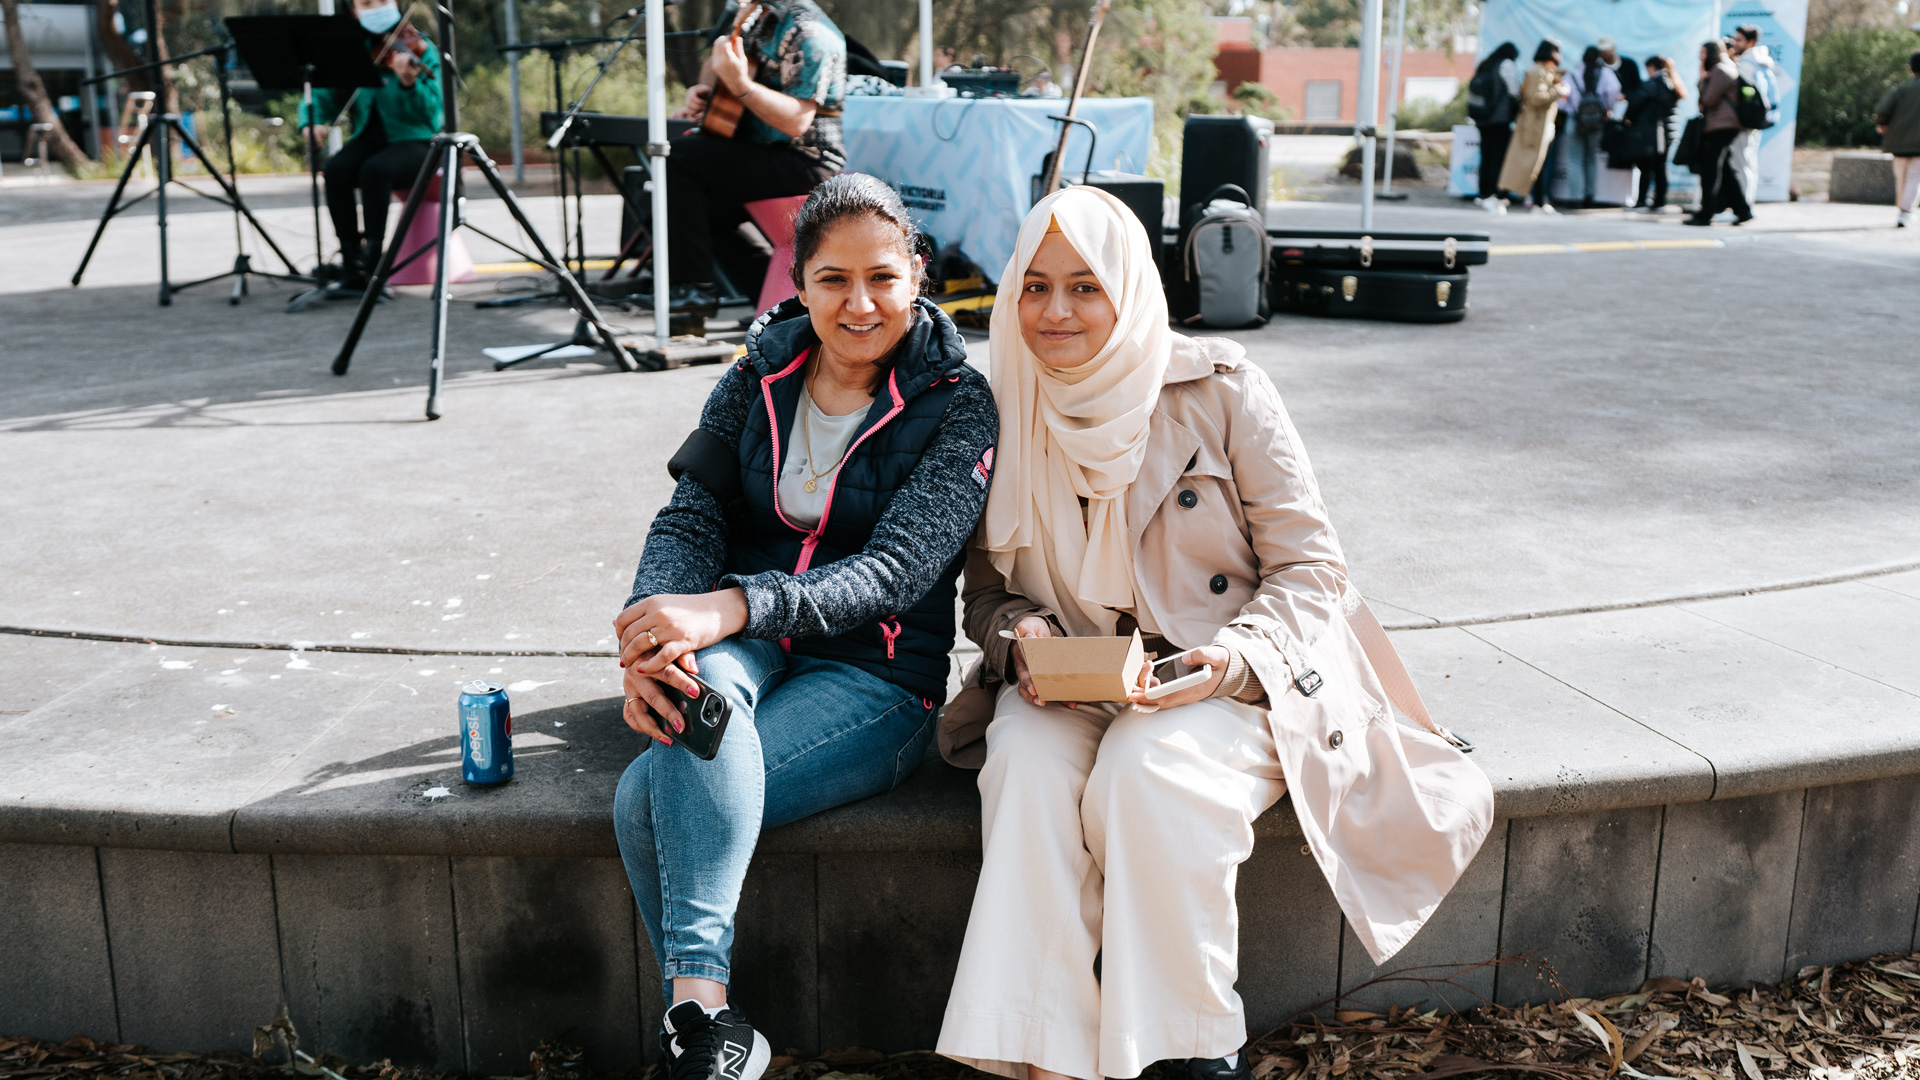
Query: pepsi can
(486, 734)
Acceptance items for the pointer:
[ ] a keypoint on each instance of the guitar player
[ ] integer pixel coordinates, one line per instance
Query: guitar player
(786, 66)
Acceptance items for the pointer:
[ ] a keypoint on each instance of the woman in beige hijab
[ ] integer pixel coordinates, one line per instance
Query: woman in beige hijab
(1153, 482)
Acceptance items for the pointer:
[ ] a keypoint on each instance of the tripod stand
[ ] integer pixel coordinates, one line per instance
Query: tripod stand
(445, 153)
(155, 138)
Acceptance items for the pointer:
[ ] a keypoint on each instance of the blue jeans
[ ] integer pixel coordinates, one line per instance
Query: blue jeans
(806, 735)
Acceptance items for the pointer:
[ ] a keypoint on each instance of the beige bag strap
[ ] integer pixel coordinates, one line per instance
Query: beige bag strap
(1392, 673)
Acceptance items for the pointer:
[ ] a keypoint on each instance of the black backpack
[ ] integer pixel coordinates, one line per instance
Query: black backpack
(1750, 106)
(1488, 101)
(1590, 115)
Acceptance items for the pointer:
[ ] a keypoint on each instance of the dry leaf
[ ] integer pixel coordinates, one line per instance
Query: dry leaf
(1747, 1064)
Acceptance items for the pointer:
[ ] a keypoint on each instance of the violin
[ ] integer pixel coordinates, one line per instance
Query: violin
(406, 37)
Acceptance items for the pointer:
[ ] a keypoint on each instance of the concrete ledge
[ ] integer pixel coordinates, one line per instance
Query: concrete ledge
(188, 836)
(1861, 176)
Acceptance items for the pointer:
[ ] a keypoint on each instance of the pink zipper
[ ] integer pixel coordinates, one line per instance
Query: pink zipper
(812, 540)
(890, 633)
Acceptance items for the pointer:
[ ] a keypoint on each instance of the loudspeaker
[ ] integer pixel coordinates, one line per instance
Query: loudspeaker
(1223, 150)
(1144, 195)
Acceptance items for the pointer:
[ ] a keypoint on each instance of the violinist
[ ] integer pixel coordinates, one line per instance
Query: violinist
(392, 126)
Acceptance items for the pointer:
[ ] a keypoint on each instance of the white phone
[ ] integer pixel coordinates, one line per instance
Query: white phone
(1155, 693)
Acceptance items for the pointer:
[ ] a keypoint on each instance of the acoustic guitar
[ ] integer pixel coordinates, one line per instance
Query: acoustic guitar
(724, 108)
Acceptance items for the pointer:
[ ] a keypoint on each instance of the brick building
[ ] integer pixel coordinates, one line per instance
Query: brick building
(1320, 87)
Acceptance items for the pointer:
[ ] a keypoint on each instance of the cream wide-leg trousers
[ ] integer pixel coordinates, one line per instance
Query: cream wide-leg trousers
(1119, 838)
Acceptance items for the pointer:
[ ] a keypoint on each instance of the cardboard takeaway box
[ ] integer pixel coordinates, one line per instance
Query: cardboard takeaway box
(1085, 668)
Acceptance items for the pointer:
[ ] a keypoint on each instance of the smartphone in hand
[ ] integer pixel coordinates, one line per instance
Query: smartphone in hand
(705, 717)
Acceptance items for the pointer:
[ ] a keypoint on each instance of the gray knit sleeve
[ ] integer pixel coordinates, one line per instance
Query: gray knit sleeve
(687, 542)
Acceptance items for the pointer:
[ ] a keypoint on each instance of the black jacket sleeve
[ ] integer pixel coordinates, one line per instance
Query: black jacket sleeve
(687, 543)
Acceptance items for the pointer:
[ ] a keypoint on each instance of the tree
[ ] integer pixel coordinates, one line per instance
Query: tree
(34, 91)
(1843, 76)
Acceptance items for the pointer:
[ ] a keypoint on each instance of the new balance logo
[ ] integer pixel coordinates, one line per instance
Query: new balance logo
(733, 1060)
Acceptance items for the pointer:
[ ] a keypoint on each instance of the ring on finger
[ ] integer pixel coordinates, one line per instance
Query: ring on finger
(652, 642)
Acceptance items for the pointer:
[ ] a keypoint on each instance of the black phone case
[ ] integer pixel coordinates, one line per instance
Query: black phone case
(705, 717)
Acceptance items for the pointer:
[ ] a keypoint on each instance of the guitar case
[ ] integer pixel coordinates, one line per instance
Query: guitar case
(1401, 276)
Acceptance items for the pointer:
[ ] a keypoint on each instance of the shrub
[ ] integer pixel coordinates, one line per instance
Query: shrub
(1433, 115)
(1845, 72)
(1257, 100)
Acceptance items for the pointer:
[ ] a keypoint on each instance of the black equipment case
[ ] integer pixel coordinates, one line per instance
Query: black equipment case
(1401, 295)
(1220, 150)
(1407, 276)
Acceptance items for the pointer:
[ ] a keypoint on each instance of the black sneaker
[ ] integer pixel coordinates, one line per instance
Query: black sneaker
(1210, 1068)
(717, 1046)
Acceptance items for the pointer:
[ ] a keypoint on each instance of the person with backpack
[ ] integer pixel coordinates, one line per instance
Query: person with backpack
(1593, 92)
(1493, 100)
(1897, 119)
(1759, 70)
(1533, 127)
(1719, 172)
(1649, 133)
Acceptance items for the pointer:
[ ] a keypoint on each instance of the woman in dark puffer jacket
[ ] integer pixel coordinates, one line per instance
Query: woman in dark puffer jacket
(805, 571)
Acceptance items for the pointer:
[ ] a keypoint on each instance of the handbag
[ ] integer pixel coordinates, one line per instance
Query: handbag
(1687, 154)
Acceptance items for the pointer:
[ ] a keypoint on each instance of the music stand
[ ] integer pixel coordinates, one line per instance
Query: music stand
(155, 138)
(299, 52)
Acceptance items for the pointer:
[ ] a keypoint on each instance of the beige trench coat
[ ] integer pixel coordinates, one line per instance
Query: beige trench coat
(1392, 814)
(1532, 129)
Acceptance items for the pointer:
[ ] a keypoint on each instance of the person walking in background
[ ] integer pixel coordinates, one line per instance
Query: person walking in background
(1593, 92)
(1760, 70)
(1533, 127)
(1650, 130)
(1720, 175)
(1897, 119)
(1623, 67)
(1493, 100)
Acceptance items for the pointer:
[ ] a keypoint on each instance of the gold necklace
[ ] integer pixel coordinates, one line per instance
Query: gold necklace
(806, 419)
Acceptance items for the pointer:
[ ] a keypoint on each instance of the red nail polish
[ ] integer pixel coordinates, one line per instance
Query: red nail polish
(693, 692)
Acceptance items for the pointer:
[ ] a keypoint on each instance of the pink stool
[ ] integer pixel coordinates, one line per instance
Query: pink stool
(423, 231)
(775, 218)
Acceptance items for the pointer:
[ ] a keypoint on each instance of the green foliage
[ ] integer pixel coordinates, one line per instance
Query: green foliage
(1433, 115)
(1335, 24)
(1845, 72)
(1256, 100)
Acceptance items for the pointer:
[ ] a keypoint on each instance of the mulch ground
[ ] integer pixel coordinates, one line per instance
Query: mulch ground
(1858, 1021)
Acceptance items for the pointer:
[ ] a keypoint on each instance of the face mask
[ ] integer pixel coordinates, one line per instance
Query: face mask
(381, 19)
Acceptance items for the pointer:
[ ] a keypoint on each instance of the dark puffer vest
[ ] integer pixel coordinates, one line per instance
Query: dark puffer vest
(873, 584)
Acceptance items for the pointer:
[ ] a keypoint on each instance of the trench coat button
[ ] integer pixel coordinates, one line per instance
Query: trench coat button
(1334, 740)
(1218, 584)
(1189, 500)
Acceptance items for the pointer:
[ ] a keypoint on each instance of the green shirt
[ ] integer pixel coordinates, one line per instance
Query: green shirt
(407, 112)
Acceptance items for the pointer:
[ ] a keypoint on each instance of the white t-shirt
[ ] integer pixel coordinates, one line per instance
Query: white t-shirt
(830, 436)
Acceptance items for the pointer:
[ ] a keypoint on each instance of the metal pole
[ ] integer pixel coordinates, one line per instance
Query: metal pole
(926, 42)
(95, 145)
(1393, 91)
(1367, 111)
(513, 91)
(657, 150)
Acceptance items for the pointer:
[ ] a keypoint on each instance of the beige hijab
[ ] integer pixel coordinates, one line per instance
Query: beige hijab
(1076, 433)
